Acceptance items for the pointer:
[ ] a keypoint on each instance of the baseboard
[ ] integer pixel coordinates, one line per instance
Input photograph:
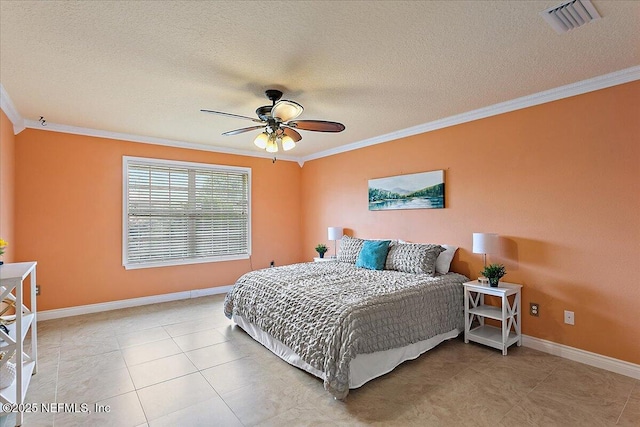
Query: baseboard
(133, 302)
(588, 358)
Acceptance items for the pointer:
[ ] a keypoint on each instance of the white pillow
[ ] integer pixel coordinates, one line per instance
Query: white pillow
(443, 262)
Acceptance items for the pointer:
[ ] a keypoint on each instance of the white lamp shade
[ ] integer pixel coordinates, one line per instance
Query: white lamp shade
(485, 243)
(286, 110)
(272, 146)
(334, 233)
(288, 143)
(261, 140)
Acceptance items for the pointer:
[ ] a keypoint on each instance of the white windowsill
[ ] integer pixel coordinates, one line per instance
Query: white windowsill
(184, 262)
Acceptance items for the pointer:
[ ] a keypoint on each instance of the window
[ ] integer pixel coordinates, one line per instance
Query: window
(183, 213)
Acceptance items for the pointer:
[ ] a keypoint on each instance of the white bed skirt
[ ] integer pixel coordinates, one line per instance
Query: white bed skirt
(363, 368)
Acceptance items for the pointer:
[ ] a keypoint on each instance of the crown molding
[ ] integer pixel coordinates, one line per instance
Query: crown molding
(20, 124)
(601, 82)
(55, 127)
(10, 110)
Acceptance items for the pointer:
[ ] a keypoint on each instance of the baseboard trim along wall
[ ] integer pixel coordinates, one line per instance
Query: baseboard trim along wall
(592, 359)
(588, 358)
(133, 302)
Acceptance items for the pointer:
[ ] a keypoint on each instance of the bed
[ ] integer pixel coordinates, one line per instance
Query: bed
(346, 324)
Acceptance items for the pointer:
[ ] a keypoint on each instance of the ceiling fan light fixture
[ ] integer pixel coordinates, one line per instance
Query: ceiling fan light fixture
(288, 143)
(262, 140)
(278, 125)
(286, 110)
(272, 145)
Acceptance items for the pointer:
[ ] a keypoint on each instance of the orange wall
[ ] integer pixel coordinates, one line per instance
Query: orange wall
(7, 167)
(68, 205)
(560, 182)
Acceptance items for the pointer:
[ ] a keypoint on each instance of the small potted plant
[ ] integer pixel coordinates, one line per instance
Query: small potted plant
(321, 249)
(494, 273)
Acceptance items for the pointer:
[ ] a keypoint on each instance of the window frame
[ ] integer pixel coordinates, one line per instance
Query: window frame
(126, 160)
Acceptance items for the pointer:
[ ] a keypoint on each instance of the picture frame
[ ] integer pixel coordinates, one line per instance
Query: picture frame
(423, 190)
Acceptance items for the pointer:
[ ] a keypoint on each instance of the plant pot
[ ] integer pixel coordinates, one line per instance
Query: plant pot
(321, 254)
(493, 281)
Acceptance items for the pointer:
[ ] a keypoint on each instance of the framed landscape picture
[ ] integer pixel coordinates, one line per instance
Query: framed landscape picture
(423, 190)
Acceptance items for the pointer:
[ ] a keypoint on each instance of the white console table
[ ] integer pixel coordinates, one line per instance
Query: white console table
(12, 277)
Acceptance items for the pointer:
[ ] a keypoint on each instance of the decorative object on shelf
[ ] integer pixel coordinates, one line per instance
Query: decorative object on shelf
(484, 243)
(321, 249)
(335, 233)
(7, 308)
(3, 244)
(494, 272)
(423, 190)
(7, 370)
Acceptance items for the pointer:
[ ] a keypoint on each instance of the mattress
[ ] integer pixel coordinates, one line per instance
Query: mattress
(363, 368)
(326, 317)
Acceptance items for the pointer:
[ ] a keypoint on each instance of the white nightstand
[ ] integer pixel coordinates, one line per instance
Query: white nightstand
(318, 259)
(508, 314)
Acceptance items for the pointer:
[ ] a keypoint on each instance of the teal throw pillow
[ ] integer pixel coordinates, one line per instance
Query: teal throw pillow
(373, 254)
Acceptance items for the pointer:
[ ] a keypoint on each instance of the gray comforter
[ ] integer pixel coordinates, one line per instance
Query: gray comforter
(329, 312)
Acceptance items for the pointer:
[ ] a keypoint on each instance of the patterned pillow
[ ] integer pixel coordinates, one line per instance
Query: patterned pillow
(350, 248)
(413, 258)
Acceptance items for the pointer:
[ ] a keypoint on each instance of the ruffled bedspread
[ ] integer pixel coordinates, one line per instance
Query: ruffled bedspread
(329, 312)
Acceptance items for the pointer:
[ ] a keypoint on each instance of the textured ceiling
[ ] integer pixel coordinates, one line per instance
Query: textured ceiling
(147, 68)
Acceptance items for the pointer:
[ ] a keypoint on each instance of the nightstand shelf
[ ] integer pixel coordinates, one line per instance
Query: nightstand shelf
(508, 314)
(487, 311)
(490, 335)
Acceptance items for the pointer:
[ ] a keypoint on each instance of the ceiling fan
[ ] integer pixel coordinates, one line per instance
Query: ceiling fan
(279, 124)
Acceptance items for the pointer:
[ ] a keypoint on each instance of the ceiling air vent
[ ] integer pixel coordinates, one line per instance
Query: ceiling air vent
(570, 14)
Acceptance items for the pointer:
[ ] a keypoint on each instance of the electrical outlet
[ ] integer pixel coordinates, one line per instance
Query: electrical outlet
(534, 309)
(37, 289)
(569, 318)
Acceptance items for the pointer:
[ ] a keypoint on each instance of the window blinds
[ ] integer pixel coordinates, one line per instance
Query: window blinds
(178, 211)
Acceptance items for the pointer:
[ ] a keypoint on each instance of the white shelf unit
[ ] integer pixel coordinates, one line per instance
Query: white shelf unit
(508, 314)
(12, 277)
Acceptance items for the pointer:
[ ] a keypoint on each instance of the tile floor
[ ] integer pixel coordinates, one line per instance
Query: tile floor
(185, 364)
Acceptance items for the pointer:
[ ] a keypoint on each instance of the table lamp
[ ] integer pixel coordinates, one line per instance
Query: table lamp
(484, 243)
(334, 233)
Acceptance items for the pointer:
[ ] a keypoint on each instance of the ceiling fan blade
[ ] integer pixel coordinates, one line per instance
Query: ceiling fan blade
(220, 113)
(317, 125)
(243, 130)
(291, 133)
(286, 110)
